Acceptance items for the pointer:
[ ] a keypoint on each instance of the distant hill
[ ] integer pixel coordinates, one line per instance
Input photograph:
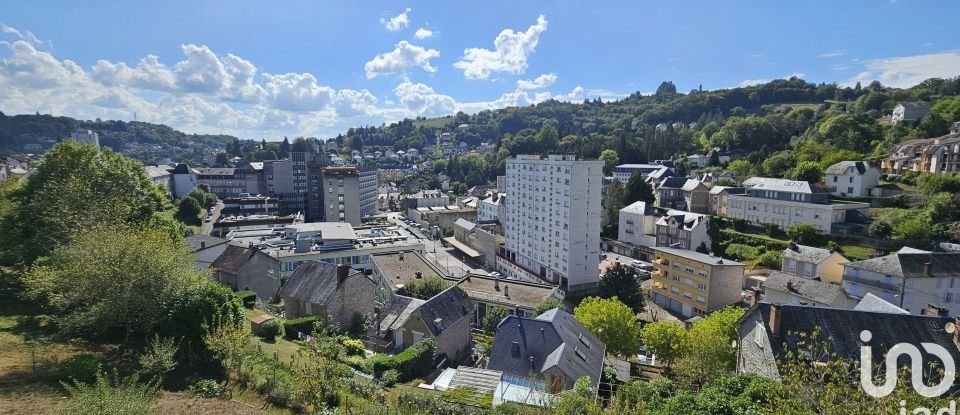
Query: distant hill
(145, 141)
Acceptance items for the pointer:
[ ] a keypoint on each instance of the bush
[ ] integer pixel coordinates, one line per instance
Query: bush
(110, 394)
(303, 325)
(742, 252)
(80, 368)
(248, 298)
(269, 330)
(159, 358)
(414, 362)
(771, 260)
(353, 347)
(206, 388)
(424, 289)
(390, 378)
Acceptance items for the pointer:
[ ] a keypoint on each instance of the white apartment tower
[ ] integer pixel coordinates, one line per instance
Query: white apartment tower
(86, 136)
(553, 219)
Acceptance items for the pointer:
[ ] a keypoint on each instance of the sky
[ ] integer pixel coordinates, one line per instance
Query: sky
(259, 69)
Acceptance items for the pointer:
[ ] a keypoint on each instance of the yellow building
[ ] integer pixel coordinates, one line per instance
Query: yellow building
(691, 283)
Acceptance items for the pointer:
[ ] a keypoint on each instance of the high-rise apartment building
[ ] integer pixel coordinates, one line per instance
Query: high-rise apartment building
(553, 219)
(86, 136)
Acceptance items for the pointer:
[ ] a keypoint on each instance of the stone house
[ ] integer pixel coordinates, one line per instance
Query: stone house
(811, 262)
(205, 249)
(336, 293)
(446, 318)
(248, 269)
(782, 288)
(683, 194)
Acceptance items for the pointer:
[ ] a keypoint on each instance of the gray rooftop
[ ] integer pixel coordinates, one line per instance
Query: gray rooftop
(780, 185)
(697, 256)
(870, 302)
(819, 291)
(913, 265)
(313, 282)
(805, 253)
(328, 230)
(843, 166)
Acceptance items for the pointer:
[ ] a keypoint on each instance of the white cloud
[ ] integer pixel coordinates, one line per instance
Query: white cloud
(422, 100)
(752, 82)
(509, 55)
(24, 35)
(834, 54)
(350, 102)
(297, 92)
(397, 22)
(541, 81)
(907, 71)
(401, 58)
(423, 33)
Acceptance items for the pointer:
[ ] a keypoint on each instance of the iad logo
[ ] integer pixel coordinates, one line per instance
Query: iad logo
(916, 366)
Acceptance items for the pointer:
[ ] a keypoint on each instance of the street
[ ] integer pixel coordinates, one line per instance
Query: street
(207, 227)
(445, 258)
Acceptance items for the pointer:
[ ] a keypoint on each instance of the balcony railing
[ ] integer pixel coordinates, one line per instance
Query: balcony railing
(661, 261)
(657, 273)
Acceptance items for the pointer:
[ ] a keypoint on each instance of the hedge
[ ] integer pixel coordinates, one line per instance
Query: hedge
(414, 362)
(303, 325)
(249, 298)
(770, 244)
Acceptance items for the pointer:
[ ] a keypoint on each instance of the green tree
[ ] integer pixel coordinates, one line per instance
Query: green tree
(493, 317)
(741, 169)
(188, 210)
(638, 190)
(708, 351)
(610, 159)
(112, 279)
(612, 322)
(880, 229)
(159, 358)
(426, 288)
(802, 233)
(223, 159)
(548, 304)
(620, 281)
(111, 395)
(77, 187)
(807, 171)
(665, 339)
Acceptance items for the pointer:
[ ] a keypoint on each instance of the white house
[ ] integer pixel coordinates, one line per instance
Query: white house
(852, 178)
(785, 202)
(637, 225)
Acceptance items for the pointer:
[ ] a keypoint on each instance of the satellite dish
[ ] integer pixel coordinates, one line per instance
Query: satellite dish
(950, 327)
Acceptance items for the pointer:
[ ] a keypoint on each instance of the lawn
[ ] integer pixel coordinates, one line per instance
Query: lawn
(285, 348)
(434, 122)
(857, 253)
(899, 186)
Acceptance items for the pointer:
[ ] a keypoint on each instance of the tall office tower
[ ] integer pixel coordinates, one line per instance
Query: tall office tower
(553, 219)
(368, 192)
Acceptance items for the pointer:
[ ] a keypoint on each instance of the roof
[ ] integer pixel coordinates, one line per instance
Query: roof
(780, 185)
(327, 230)
(914, 110)
(844, 166)
(697, 256)
(444, 309)
(552, 340)
(691, 185)
(507, 292)
(675, 182)
(639, 208)
(157, 171)
(402, 267)
(196, 243)
(805, 253)
(463, 223)
(686, 220)
(870, 302)
(313, 282)
(818, 291)
(913, 264)
(216, 171)
(233, 259)
(715, 190)
(396, 311)
(183, 168)
(842, 329)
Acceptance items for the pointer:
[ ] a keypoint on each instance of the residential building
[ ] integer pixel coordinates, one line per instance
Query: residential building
(909, 112)
(852, 178)
(252, 172)
(250, 205)
(782, 288)
(476, 241)
(811, 262)
(490, 208)
(769, 332)
(184, 180)
(205, 249)
(785, 202)
(926, 155)
(251, 269)
(683, 194)
(368, 192)
(553, 350)
(223, 181)
(703, 160)
(909, 279)
(638, 225)
(519, 297)
(427, 198)
(720, 198)
(336, 293)
(161, 176)
(691, 283)
(446, 318)
(338, 198)
(623, 172)
(443, 218)
(553, 219)
(287, 180)
(683, 230)
(86, 136)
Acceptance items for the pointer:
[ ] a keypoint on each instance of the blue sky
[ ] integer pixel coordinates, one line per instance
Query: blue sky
(268, 69)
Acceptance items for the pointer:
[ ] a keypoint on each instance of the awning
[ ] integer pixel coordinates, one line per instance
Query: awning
(470, 252)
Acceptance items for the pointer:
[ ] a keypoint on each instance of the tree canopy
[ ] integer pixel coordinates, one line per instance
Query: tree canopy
(612, 322)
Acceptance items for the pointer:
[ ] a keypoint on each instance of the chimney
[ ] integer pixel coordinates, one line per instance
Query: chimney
(752, 297)
(419, 275)
(203, 244)
(793, 246)
(790, 286)
(506, 291)
(342, 272)
(927, 268)
(775, 319)
(935, 310)
(496, 284)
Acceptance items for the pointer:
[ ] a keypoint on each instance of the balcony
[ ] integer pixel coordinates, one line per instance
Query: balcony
(661, 261)
(657, 273)
(658, 284)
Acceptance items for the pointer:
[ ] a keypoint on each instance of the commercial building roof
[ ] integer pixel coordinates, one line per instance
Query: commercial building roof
(402, 267)
(327, 230)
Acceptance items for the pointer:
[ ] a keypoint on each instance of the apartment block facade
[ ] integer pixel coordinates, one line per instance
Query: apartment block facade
(692, 283)
(553, 219)
(786, 202)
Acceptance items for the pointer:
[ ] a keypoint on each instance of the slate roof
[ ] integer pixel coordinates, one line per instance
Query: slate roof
(675, 182)
(444, 309)
(912, 264)
(465, 224)
(780, 185)
(913, 111)
(233, 259)
(842, 329)
(194, 242)
(640, 208)
(691, 185)
(843, 166)
(396, 311)
(687, 220)
(715, 190)
(313, 282)
(805, 253)
(553, 339)
(216, 171)
(870, 302)
(157, 171)
(818, 291)
(183, 168)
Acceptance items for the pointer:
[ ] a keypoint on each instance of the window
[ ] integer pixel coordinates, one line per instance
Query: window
(702, 287)
(834, 179)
